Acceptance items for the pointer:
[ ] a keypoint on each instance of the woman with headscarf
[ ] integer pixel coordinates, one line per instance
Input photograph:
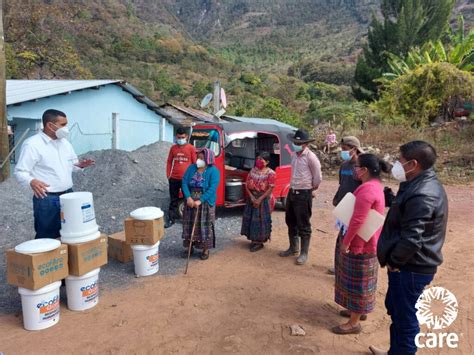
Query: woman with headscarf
(199, 187)
(257, 220)
(357, 267)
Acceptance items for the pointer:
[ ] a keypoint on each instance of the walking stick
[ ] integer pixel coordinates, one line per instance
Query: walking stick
(191, 239)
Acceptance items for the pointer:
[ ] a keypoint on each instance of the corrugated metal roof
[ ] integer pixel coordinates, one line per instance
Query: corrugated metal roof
(258, 120)
(26, 90)
(181, 115)
(204, 116)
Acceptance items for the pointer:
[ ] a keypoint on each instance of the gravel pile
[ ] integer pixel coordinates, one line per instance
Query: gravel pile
(123, 181)
(120, 182)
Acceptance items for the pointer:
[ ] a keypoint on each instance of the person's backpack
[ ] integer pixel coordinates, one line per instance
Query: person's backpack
(389, 196)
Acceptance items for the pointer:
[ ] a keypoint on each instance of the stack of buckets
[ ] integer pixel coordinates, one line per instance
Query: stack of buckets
(40, 307)
(146, 257)
(78, 225)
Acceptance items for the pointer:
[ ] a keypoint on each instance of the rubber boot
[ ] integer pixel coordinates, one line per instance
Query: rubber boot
(293, 249)
(304, 251)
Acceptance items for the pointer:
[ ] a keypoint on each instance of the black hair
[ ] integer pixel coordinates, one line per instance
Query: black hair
(264, 155)
(51, 116)
(374, 164)
(423, 152)
(180, 130)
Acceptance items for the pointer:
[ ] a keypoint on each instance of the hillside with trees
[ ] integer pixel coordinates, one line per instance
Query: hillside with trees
(294, 61)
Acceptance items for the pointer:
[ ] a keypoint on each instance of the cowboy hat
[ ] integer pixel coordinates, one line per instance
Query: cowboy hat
(301, 136)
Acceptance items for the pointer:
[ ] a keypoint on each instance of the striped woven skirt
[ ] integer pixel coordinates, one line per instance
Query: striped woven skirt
(257, 222)
(356, 282)
(204, 233)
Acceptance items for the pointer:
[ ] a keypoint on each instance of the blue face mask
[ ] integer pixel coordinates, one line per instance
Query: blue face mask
(181, 141)
(346, 155)
(297, 148)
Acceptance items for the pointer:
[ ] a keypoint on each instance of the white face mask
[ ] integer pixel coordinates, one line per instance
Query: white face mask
(181, 141)
(62, 132)
(398, 172)
(200, 163)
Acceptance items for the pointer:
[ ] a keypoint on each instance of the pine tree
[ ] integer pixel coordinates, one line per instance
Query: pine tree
(406, 24)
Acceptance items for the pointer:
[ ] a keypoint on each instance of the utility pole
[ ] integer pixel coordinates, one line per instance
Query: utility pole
(217, 97)
(115, 130)
(4, 144)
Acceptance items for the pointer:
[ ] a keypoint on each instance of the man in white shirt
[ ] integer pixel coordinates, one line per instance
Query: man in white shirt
(46, 163)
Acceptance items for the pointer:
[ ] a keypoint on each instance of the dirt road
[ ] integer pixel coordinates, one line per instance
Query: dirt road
(242, 302)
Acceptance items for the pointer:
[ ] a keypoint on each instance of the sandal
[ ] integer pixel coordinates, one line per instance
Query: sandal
(185, 253)
(346, 313)
(204, 255)
(353, 330)
(256, 247)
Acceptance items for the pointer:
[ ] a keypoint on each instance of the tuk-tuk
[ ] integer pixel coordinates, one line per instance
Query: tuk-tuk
(236, 145)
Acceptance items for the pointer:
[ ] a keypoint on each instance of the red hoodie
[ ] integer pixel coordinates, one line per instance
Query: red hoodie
(179, 158)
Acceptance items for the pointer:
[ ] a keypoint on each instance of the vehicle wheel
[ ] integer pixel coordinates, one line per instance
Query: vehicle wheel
(181, 206)
(283, 203)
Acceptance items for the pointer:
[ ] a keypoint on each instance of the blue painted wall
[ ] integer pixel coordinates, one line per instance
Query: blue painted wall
(90, 118)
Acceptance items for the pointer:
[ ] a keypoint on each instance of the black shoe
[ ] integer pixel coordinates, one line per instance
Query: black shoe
(169, 224)
(256, 247)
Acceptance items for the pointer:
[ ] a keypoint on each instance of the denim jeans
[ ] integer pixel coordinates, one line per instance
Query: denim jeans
(404, 289)
(46, 212)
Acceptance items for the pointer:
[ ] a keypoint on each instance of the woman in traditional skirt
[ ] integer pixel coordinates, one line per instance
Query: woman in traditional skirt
(357, 267)
(257, 220)
(200, 182)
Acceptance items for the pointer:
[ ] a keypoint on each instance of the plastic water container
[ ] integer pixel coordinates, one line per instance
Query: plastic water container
(83, 239)
(77, 215)
(41, 307)
(147, 213)
(83, 291)
(146, 259)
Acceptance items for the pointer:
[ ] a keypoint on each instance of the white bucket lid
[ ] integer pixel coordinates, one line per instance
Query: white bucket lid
(144, 247)
(85, 276)
(76, 195)
(41, 245)
(45, 289)
(79, 240)
(147, 213)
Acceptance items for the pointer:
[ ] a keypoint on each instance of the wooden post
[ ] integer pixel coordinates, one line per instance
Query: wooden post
(4, 143)
(217, 97)
(115, 130)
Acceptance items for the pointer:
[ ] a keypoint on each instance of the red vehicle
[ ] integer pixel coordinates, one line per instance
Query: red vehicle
(236, 145)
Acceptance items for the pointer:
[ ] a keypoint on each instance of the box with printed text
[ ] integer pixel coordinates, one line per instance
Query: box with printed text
(33, 271)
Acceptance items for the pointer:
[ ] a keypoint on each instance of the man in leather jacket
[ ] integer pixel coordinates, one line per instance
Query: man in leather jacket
(411, 241)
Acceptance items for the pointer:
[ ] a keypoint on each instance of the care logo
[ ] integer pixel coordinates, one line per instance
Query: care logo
(429, 314)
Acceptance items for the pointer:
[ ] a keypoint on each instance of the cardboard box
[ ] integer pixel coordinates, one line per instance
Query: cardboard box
(118, 249)
(144, 232)
(88, 256)
(33, 271)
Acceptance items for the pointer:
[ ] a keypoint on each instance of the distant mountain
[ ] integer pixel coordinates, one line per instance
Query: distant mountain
(175, 49)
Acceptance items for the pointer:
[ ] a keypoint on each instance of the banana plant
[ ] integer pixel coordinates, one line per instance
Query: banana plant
(459, 52)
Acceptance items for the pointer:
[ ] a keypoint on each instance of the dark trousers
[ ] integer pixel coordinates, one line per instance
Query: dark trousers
(299, 205)
(404, 288)
(174, 187)
(46, 212)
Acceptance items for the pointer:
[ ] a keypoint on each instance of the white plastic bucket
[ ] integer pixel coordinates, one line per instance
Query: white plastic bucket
(79, 240)
(146, 259)
(147, 213)
(83, 291)
(77, 215)
(40, 307)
